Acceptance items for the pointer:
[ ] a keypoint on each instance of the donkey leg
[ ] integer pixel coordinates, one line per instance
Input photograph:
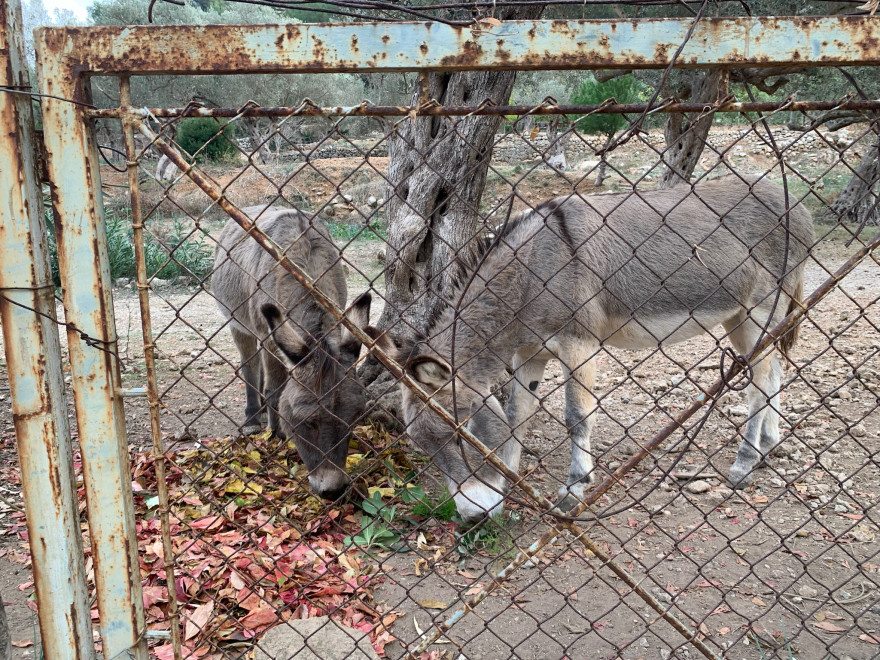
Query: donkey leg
(250, 372)
(751, 452)
(528, 372)
(274, 378)
(579, 406)
(770, 438)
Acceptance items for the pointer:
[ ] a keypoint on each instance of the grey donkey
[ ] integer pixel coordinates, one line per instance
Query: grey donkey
(296, 361)
(633, 270)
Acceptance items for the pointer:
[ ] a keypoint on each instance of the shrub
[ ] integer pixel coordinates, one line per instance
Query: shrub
(624, 90)
(206, 138)
(174, 254)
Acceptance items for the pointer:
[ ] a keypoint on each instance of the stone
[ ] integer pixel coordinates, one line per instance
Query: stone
(698, 486)
(372, 201)
(738, 411)
(859, 431)
(318, 638)
(807, 591)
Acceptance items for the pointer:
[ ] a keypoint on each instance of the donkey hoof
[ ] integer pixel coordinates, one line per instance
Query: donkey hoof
(251, 429)
(740, 477)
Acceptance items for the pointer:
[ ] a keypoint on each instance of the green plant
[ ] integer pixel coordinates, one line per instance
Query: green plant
(206, 138)
(376, 532)
(344, 232)
(624, 89)
(441, 509)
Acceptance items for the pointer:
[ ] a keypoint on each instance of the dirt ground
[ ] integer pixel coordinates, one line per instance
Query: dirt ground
(790, 563)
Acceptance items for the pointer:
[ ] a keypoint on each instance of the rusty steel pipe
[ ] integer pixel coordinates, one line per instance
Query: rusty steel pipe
(95, 370)
(745, 41)
(143, 286)
(369, 110)
(33, 360)
(250, 227)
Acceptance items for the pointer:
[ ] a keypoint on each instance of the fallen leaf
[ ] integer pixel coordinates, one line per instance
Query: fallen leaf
(723, 631)
(23, 644)
(871, 639)
(198, 619)
(432, 604)
(827, 626)
(490, 21)
(758, 601)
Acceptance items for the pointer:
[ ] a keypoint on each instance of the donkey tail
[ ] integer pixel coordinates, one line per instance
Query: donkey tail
(789, 339)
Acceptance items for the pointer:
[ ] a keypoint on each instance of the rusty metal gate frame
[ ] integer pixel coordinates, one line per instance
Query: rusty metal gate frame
(67, 57)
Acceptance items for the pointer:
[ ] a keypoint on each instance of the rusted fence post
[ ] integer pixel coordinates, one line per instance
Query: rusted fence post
(33, 358)
(94, 361)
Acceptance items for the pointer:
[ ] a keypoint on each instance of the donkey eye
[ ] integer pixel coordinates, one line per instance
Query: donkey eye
(308, 425)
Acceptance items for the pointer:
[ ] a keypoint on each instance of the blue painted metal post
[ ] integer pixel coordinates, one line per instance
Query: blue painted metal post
(88, 304)
(33, 358)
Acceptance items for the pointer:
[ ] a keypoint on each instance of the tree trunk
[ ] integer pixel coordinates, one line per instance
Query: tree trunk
(860, 200)
(603, 161)
(685, 141)
(524, 149)
(436, 175)
(259, 142)
(556, 143)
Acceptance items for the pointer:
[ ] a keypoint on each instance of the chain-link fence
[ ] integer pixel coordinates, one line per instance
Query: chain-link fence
(560, 314)
(602, 412)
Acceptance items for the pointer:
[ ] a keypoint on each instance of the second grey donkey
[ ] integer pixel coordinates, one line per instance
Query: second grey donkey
(296, 361)
(632, 270)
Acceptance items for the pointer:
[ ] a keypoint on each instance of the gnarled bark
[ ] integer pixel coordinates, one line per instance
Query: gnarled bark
(685, 140)
(860, 200)
(437, 174)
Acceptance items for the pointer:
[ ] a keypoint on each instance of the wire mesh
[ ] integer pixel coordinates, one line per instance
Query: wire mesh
(337, 511)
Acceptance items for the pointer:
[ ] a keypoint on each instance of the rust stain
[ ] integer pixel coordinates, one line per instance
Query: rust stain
(354, 43)
(424, 48)
(279, 42)
(386, 38)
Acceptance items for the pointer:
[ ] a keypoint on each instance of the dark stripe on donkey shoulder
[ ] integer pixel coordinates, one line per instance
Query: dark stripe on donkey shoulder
(553, 209)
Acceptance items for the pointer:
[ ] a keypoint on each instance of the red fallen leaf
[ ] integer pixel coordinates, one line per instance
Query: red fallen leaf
(154, 594)
(26, 585)
(851, 516)
(208, 522)
(198, 619)
(827, 626)
(709, 583)
(601, 625)
(871, 639)
(260, 618)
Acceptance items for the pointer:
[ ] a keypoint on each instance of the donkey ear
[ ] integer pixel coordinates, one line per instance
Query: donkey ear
(430, 371)
(291, 344)
(359, 314)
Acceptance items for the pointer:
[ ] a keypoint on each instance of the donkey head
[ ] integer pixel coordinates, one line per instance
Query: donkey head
(477, 487)
(323, 399)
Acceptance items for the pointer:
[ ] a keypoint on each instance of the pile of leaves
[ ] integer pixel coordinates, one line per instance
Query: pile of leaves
(251, 546)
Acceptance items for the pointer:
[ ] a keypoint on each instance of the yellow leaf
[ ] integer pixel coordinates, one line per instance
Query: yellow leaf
(432, 604)
(353, 461)
(254, 456)
(262, 436)
(237, 486)
(383, 492)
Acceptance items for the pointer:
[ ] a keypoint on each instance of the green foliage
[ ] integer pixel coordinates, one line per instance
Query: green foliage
(173, 255)
(441, 509)
(206, 138)
(375, 531)
(490, 536)
(344, 232)
(623, 90)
